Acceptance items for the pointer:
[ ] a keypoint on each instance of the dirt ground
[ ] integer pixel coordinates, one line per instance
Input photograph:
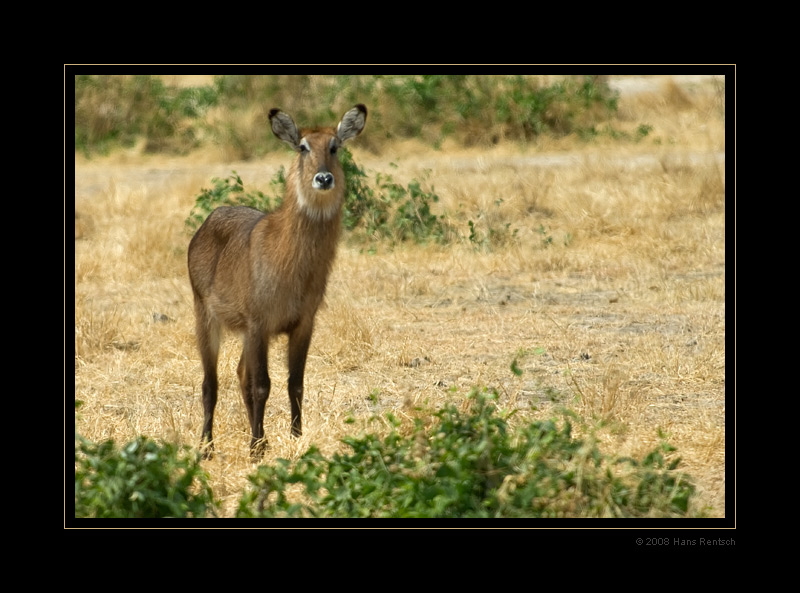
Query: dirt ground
(610, 297)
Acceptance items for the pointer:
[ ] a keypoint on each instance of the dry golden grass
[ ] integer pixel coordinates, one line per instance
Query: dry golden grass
(621, 317)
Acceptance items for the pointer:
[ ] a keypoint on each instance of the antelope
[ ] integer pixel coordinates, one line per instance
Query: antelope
(261, 275)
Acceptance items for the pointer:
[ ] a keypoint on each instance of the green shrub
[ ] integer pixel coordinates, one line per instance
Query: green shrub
(380, 210)
(400, 213)
(469, 465)
(230, 192)
(361, 206)
(112, 111)
(139, 480)
(118, 110)
(574, 105)
(385, 209)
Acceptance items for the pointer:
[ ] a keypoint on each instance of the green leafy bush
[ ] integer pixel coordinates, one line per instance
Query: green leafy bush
(230, 192)
(469, 465)
(142, 479)
(118, 110)
(574, 105)
(380, 210)
(113, 111)
(398, 213)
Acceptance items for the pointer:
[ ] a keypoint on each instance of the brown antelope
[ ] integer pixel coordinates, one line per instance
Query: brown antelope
(265, 274)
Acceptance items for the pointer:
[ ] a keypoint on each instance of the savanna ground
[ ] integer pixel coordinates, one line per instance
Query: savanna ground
(597, 269)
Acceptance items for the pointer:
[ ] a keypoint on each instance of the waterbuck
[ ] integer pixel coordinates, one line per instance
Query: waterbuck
(265, 274)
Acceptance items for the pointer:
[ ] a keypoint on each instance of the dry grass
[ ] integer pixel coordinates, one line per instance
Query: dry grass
(620, 316)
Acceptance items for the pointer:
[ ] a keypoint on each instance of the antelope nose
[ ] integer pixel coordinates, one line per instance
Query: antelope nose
(323, 180)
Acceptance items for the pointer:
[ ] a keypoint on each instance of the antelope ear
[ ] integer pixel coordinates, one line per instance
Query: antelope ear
(352, 123)
(284, 128)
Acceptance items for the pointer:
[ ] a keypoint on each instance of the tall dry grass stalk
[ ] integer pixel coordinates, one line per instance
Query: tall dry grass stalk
(604, 282)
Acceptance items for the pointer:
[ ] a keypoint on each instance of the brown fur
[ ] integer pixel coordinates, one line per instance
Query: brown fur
(265, 274)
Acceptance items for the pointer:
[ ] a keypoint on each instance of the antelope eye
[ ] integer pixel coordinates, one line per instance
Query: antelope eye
(304, 147)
